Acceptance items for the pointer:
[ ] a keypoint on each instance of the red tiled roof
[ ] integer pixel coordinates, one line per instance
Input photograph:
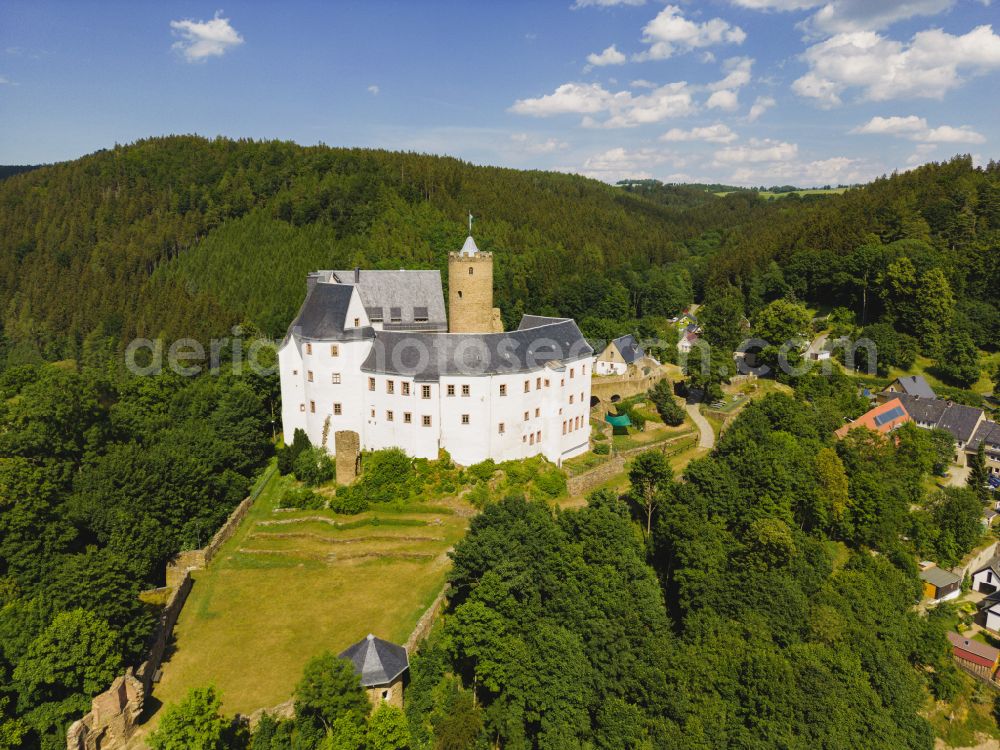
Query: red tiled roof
(974, 651)
(877, 420)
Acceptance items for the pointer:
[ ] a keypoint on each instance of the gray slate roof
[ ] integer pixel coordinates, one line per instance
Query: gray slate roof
(916, 385)
(375, 661)
(958, 419)
(629, 348)
(323, 315)
(988, 432)
(406, 290)
(939, 577)
(538, 341)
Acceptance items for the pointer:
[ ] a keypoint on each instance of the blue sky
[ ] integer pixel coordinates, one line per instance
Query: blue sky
(807, 92)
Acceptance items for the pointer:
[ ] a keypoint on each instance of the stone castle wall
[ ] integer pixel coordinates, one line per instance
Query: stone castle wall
(112, 718)
(470, 296)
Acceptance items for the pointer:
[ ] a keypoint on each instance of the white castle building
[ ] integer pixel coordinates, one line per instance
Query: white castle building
(372, 352)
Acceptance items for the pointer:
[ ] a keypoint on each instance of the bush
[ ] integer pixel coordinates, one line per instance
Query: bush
(289, 453)
(385, 474)
(314, 467)
(479, 496)
(552, 482)
(348, 502)
(302, 498)
(602, 449)
(484, 470)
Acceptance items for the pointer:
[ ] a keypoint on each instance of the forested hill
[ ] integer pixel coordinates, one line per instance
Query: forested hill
(183, 236)
(186, 236)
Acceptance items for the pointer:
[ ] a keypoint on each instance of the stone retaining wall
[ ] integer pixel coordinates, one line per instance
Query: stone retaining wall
(583, 483)
(976, 560)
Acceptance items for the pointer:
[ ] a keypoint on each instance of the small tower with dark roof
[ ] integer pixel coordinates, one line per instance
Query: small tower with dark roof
(382, 667)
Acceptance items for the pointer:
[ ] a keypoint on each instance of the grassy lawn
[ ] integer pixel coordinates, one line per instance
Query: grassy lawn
(966, 720)
(924, 366)
(292, 584)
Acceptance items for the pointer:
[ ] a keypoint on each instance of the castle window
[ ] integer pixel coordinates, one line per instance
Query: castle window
(583, 370)
(371, 384)
(336, 410)
(388, 415)
(538, 383)
(312, 407)
(426, 420)
(334, 350)
(465, 419)
(564, 427)
(546, 382)
(295, 372)
(302, 407)
(581, 397)
(309, 376)
(503, 389)
(500, 428)
(524, 438)
(460, 294)
(309, 348)
(538, 412)
(571, 372)
(425, 391)
(407, 417)
(451, 390)
(335, 378)
(390, 386)
(525, 416)
(357, 322)
(539, 436)
(527, 386)
(406, 388)
(465, 390)
(531, 439)
(373, 413)
(571, 398)
(470, 270)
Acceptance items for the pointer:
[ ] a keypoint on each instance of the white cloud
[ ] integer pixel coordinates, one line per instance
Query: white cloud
(838, 16)
(920, 154)
(669, 32)
(949, 134)
(928, 66)
(916, 129)
(203, 39)
(757, 151)
(759, 107)
(5, 81)
(723, 99)
(373, 89)
(624, 108)
(642, 83)
(737, 74)
(604, 3)
(610, 56)
(621, 163)
(527, 144)
(893, 125)
(717, 133)
(836, 170)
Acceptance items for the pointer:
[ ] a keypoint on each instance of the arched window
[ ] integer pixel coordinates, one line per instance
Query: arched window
(470, 270)
(460, 294)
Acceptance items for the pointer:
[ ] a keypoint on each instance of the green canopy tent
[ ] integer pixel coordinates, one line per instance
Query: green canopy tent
(619, 423)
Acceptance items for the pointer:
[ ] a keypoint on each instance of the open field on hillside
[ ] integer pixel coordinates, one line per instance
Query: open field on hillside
(809, 191)
(292, 584)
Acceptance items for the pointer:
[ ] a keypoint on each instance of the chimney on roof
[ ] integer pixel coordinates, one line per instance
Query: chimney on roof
(357, 274)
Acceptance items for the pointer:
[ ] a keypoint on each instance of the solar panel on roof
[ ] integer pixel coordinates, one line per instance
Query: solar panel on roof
(893, 413)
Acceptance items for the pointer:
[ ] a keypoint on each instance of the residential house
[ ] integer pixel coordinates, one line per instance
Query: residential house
(884, 418)
(987, 579)
(382, 666)
(988, 615)
(618, 355)
(940, 585)
(911, 385)
(960, 420)
(987, 434)
(974, 656)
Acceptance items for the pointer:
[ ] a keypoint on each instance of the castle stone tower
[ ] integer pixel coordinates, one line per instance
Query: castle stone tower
(470, 291)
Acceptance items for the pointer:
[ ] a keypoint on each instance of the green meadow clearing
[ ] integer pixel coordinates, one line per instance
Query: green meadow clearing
(291, 584)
